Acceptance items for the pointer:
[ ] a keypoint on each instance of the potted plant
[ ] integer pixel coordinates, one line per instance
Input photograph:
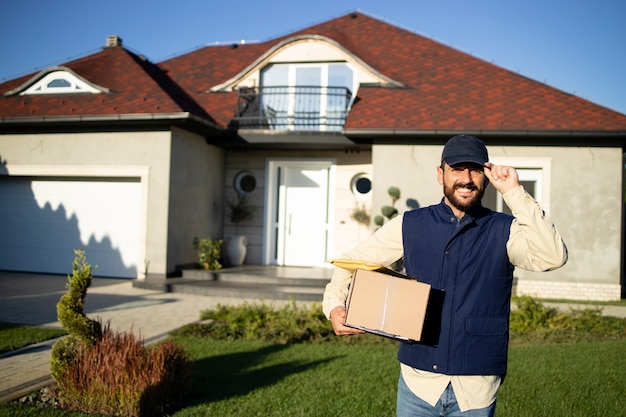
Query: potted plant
(240, 211)
(209, 253)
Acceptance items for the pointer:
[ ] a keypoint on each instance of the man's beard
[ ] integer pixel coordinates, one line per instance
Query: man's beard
(463, 204)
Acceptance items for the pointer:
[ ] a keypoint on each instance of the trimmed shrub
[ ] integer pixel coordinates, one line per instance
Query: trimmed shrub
(533, 322)
(260, 321)
(119, 376)
(99, 371)
(81, 329)
(531, 314)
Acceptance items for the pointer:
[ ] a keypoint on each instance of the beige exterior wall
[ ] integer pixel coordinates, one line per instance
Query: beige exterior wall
(149, 155)
(585, 186)
(346, 232)
(196, 196)
(253, 162)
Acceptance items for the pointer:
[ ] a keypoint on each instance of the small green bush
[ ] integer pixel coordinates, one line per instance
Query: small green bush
(118, 376)
(209, 253)
(290, 323)
(81, 329)
(531, 314)
(388, 212)
(261, 321)
(71, 305)
(533, 322)
(99, 371)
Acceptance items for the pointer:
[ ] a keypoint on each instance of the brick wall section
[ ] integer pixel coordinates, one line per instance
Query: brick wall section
(567, 290)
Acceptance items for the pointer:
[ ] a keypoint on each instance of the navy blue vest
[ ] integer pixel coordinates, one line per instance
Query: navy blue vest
(467, 326)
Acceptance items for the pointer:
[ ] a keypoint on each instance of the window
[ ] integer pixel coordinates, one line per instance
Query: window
(244, 182)
(361, 185)
(60, 82)
(534, 176)
(307, 96)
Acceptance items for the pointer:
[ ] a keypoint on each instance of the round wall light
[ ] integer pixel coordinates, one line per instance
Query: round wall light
(361, 184)
(244, 182)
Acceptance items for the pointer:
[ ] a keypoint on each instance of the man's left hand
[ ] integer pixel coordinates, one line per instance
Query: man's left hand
(502, 178)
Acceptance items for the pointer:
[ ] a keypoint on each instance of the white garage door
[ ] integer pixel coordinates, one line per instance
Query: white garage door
(44, 219)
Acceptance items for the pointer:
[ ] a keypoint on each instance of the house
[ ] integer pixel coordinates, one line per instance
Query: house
(131, 159)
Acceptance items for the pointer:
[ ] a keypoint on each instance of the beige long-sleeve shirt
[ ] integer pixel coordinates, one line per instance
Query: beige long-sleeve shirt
(534, 244)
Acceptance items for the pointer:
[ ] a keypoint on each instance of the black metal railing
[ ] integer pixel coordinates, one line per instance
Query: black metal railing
(310, 108)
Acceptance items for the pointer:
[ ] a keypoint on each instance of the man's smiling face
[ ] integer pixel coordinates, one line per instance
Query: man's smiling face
(463, 185)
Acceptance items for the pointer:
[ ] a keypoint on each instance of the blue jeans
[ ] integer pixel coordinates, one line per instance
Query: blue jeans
(410, 405)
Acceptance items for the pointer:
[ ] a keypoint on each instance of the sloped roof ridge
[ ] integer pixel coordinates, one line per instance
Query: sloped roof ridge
(57, 62)
(474, 55)
(248, 41)
(174, 91)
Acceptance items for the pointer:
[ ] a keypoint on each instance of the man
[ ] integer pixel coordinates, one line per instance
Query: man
(469, 252)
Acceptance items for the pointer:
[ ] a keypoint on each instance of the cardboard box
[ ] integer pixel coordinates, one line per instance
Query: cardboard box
(387, 305)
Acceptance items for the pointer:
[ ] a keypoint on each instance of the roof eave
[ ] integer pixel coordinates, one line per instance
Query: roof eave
(426, 132)
(397, 136)
(139, 117)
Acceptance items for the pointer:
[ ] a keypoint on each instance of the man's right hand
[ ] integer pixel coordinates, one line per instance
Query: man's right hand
(337, 318)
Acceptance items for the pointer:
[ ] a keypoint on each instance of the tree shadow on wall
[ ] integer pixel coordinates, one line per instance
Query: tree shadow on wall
(38, 237)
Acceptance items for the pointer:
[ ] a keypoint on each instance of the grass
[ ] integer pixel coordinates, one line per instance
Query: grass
(15, 336)
(249, 378)
(581, 379)
(561, 367)
(253, 378)
(261, 379)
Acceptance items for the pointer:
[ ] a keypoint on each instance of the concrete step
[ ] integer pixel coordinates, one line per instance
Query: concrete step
(250, 291)
(248, 281)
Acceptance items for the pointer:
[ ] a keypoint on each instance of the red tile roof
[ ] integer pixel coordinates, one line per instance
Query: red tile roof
(446, 89)
(136, 87)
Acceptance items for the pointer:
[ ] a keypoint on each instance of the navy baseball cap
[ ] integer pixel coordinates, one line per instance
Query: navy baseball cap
(464, 148)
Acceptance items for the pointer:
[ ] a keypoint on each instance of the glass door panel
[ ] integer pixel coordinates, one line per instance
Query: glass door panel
(306, 112)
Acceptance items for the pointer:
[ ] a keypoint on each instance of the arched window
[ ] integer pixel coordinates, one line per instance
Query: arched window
(60, 82)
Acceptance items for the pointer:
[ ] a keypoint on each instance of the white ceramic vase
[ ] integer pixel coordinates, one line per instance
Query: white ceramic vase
(236, 249)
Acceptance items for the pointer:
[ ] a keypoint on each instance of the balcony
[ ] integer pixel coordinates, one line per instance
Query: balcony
(293, 109)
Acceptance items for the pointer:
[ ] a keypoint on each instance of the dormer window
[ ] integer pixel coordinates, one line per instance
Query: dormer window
(56, 80)
(310, 96)
(307, 96)
(60, 82)
(304, 83)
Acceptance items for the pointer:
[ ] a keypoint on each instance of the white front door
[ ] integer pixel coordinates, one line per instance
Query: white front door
(299, 209)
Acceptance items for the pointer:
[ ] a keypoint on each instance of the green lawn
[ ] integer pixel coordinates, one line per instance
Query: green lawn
(260, 379)
(264, 379)
(251, 378)
(559, 365)
(582, 379)
(15, 336)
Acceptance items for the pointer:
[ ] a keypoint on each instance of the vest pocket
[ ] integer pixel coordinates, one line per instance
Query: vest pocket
(486, 345)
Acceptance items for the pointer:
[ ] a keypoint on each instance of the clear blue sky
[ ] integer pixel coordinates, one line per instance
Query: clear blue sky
(578, 46)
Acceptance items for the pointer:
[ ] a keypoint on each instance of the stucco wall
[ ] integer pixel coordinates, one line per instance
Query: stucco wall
(585, 202)
(102, 154)
(196, 196)
(346, 232)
